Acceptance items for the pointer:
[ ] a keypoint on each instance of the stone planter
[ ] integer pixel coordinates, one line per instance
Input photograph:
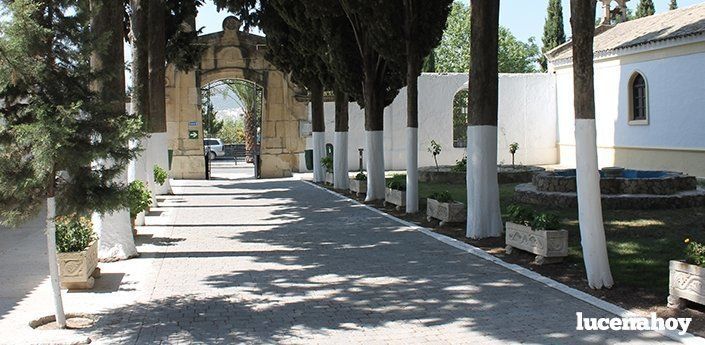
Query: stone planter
(686, 283)
(446, 212)
(358, 187)
(395, 197)
(329, 178)
(548, 245)
(77, 270)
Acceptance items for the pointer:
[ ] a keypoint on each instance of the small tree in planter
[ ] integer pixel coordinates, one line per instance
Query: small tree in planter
(435, 149)
(139, 199)
(77, 248)
(513, 148)
(327, 163)
(395, 193)
(685, 277)
(441, 206)
(160, 175)
(536, 233)
(358, 184)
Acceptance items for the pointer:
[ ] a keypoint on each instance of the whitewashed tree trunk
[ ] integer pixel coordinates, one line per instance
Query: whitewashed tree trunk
(115, 239)
(319, 149)
(484, 216)
(412, 170)
(592, 232)
(374, 142)
(340, 161)
(159, 155)
(53, 263)
(137, 170)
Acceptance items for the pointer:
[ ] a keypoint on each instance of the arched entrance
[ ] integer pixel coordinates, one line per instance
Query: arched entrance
(232, 116)
(233, 54)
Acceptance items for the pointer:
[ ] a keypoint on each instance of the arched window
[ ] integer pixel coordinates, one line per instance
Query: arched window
(639, 99)
(460, 119)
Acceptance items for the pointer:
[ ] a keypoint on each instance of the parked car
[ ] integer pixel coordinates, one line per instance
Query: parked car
(213, 148)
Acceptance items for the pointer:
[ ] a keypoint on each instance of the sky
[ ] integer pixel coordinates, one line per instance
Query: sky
(525, 18)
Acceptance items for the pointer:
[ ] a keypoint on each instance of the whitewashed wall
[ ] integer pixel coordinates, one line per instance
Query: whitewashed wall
(676, 102)
(527, 115)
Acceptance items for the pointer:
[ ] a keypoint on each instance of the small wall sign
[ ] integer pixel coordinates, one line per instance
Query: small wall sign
(193, 124)
(193, 134)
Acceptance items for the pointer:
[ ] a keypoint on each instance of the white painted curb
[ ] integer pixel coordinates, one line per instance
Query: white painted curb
(585, 297)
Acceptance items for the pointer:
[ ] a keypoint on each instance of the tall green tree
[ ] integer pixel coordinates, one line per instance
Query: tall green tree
(211, 125)
(553, 30)
(673, 5)
(408, 39)
(295, 40)
(592, 232)
(452, 54)
(55, 130)
(382, 79)
(248, 97)
(484, 218)
(645, 8)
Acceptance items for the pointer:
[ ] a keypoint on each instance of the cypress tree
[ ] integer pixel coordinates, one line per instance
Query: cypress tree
(673, 5)
(645, 8)
(553, 30)
(55, 133)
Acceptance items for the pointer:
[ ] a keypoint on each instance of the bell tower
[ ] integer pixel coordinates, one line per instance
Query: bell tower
(613, 16)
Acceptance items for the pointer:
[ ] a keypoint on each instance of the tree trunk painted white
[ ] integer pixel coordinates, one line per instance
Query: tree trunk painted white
(340, 161)
(115, 239)
(592, 232)
(412, 170)
(374, 142)
(319, 151)
(159, 155)
(484, 217)
(137, 170)
(53, 263)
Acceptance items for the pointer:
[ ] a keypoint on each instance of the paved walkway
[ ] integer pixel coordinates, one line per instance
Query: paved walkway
(280, 261)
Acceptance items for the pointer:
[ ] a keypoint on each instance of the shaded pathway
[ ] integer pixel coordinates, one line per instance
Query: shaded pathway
(280, 261)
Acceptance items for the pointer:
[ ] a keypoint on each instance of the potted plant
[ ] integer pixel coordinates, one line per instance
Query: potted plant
(395, 193)
(139, 199)
(435, 150)
(536, 233)
(686, 277)
(358, 184)
(441, 206)
(327, 163)
(160, 175)
(77, 248)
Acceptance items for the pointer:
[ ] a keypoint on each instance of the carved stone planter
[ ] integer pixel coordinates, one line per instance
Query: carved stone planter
(548, 245)
(446, 212)
(77, 270)
(329, 178)
(686, 283)
(395, 197)
(358, 187)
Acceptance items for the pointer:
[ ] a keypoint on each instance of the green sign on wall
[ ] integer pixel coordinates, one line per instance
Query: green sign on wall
(193, 134)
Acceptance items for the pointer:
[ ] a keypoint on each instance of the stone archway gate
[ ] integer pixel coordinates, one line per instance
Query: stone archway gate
(233, 54)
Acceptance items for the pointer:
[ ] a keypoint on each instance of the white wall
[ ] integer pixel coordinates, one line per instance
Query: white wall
(527, 115)
(676, 102)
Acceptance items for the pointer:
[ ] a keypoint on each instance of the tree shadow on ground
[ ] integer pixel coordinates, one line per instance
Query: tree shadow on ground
(334, 269)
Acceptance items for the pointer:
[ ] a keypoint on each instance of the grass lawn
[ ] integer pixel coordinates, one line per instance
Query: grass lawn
(640, 243)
